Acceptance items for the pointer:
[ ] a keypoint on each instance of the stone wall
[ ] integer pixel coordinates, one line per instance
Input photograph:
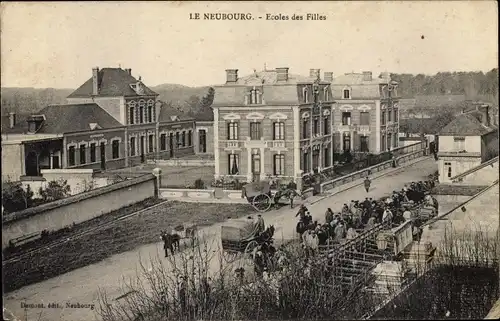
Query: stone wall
(76, 209)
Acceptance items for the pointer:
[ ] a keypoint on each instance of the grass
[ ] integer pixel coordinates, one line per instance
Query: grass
(123, 236)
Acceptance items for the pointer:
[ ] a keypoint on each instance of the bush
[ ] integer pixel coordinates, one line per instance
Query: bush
(55, 190)
(15, 197)
(199, 184)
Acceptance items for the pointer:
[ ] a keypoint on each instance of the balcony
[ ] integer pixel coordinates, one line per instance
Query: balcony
(255, 143)
(347, 128)
(364, 128)
(232, 144)
(278, 144)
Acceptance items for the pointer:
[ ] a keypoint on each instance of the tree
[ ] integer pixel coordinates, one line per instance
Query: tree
(55, 190)
(15, 197)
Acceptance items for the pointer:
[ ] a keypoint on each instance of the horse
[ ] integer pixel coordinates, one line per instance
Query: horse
(303, 226)
(267, 235)
(171, 241)
(288, 193)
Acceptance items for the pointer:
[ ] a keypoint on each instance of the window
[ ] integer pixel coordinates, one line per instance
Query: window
(132, 115)
(316, 126)
(448, 169)
(316, 94)
(151, 143)
(382, 117)
(305, 162)
(190, 139)
(115, 148)
(459, 143)
(326, 94)
(383, 143)
(141, 115)
(163, 141)
(279, 164)
(71, 156)
(177, 139)
(326, 125)
(93, 152)
(389, 113)
(255, 131)
(315, 160)
(255, 96)
(395, 115)
(83, 158)
(150, 114)
(132, 146)
(232, 131)
(233, 164)
(255, 164)
(347, 94)
(305, 129)
(346, 118)
(326, 157)
(183, 139)
(363, 144)
(306, 94)
(364, 118)
(279, 131)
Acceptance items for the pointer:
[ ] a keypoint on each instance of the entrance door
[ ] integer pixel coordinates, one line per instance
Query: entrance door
(55, 161)
(171, 144)
(256, 167)
(315, 161)
(202, 141)
(102, 149)
(347, 142)
(142, 149)
(32, 164)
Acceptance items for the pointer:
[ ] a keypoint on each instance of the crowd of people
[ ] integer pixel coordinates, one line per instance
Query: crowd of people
(365, 214)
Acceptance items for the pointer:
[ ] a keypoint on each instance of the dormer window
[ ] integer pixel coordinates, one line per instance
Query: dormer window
(316, 93)
(35, 122)
(346, 93)
(306, 95)
(255, 96)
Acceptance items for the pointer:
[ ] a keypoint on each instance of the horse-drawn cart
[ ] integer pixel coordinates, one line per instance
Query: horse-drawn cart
(258, 194)
(241, 236)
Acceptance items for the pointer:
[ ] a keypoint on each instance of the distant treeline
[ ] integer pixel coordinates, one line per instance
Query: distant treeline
(195, 101)
(470, 84)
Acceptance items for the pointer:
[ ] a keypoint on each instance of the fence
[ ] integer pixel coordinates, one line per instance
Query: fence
(401, 155)
(334, 172)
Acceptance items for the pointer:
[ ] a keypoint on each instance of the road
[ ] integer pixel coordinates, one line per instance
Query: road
(81, 285)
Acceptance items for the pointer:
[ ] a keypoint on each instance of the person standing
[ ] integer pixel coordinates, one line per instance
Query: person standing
(367, 183)
(292, 187)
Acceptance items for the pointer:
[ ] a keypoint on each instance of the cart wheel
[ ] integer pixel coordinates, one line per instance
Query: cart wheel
(251, 246)
(261, 202)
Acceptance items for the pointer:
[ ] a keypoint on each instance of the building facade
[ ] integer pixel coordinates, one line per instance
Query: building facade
(466, 142)
(366, 116)
(272, 123)
(111, 121)
(152, 129)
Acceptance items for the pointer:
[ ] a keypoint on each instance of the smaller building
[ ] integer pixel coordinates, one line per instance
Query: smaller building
(204, 136)
(466, 142)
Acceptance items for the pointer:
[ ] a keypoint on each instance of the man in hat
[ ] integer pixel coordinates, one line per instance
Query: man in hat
(367, 183)
(260, 226)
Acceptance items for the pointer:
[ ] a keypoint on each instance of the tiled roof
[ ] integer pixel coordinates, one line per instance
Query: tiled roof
(433, 101)
(465, 125)
(61, 119)
(357, 79)
(113, 82)
(270, 77)
(20, 127)
(170, 114)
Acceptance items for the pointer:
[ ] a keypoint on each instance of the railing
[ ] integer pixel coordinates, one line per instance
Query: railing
(278, 143)
(401, 155)
(232, 144)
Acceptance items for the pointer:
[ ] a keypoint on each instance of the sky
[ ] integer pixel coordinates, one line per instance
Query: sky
(56, 44)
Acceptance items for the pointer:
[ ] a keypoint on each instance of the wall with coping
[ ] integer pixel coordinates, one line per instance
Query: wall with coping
(78, 208)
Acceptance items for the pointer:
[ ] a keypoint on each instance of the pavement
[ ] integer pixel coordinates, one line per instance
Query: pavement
(81, 286)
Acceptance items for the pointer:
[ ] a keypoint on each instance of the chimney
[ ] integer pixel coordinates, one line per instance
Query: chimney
(314, 73)
(328, 76)
(282, 74)
(95, 81)
(129, 71)
(12, 119)
(367, 76)
(231, 75)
